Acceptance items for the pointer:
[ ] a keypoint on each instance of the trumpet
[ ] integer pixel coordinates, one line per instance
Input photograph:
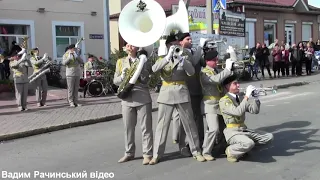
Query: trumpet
(236, 65)
(177, 52)
(78, 50)
(262, 91)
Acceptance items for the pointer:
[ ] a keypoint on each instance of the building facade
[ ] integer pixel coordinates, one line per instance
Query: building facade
(53, 25)
(290, 21)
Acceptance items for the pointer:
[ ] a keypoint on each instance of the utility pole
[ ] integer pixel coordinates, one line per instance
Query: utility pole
(187, 3)
(209, 16)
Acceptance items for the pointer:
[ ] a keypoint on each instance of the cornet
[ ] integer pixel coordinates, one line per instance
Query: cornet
(177, 52)
(262, 91)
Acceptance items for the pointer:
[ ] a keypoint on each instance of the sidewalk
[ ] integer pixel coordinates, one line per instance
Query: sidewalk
(58, 115)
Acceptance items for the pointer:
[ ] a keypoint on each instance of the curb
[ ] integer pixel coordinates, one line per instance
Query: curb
(18, 135)
(24, 134)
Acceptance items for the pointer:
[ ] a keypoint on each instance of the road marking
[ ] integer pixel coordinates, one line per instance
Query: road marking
(288, 97)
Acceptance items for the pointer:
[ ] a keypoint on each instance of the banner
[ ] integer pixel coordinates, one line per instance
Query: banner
(197, 18)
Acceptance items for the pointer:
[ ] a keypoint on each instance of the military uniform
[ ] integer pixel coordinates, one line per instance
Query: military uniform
(20, 76)
(240, 139)
(194, 86)
(72, 64)
(138, 105)
(173, 94)
(41, 83)
(176, 125)
(212, 92)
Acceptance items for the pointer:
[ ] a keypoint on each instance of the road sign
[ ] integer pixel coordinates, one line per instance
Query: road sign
(219, 4)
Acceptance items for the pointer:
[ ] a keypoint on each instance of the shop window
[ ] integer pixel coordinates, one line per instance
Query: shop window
(66, 35)
(269, 33)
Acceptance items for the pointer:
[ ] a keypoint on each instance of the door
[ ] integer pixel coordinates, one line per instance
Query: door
(289, 34)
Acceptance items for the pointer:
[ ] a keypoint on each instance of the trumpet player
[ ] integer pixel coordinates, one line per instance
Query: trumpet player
(72, 62)
(212, 91)
(41, 83)
(137, 105)
(194, 86)
(19, 65)
(233, 108)
(174, 94)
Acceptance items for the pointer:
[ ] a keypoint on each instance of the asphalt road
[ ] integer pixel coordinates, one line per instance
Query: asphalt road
(291, 114)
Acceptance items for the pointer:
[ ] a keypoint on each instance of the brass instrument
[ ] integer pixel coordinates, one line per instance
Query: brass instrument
(125, 87)
(78, 50)
(177, 52)
(262, 91)
(42, 71)
(236, 65)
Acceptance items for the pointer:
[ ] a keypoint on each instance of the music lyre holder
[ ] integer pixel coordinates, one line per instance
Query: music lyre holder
(141, 6)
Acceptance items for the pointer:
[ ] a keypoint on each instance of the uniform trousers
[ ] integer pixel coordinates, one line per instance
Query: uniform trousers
(242, 143)
(21, 92)
(212, 135)
(130, 117)
(73, 83)
(41, 89)
(175, 125)
(164, 119)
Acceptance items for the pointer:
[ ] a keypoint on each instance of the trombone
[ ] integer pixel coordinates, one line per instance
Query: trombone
(262, 91)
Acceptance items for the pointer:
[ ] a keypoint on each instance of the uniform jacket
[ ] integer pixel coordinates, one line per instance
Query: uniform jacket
(72, 64)
(140, 94)
(193, 81)
(88, 65)
(20, 70)
(234, 113)
(37, 64)
(177, 72)
(211, 88)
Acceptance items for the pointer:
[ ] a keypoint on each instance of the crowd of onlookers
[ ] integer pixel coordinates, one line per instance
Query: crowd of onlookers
(283, 57)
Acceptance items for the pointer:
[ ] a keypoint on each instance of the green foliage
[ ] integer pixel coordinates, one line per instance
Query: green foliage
(110, 66)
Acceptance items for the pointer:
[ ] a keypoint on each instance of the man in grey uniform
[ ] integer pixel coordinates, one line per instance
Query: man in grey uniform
(72, 62)
(233, 107)
(194, 86)
(173, 94)
(19, 65)
(41, 83)
(212, 91)
(138, 105)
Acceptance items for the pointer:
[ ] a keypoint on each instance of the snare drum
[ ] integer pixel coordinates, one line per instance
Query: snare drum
(95, 88)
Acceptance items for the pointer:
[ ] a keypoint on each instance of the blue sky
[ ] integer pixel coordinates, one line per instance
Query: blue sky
(315, 3)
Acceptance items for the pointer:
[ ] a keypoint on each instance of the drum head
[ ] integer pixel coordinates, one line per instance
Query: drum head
(95, 88)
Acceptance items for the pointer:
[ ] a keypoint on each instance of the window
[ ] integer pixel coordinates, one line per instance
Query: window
(306, 31)
(10, 33)
(269, 33)
(250, 34)
(66, 35)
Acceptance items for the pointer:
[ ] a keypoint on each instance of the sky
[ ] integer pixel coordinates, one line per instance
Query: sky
(315, 3)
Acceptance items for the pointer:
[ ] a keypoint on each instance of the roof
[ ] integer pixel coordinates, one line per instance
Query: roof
(167, 4)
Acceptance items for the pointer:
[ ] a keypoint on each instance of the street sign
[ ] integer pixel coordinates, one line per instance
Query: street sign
(95, 36)
(219, 4)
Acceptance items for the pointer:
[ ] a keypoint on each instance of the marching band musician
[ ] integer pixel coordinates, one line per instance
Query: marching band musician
(88, 66)
(138, 105)
(173, 94)
(212, 91)
(41, 82)
(19, 65)
(233, 108)
(193, 83)
(72, 62)
(171, 41)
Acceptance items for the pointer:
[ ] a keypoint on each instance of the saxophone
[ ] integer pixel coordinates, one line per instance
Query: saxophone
(132, 75)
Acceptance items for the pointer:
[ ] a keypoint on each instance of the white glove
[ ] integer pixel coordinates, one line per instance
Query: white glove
(181, 60)
(75, 55)
(229, 64)
(170, 54)
(123, 73)
(202, 42)
(45, 56)
(143, 58)
(23, 50)
(249, 90)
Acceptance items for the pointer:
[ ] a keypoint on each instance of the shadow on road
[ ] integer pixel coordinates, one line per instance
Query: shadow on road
(288, 141)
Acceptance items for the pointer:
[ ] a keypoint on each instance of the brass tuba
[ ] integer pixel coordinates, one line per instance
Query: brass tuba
(141, 24)
(43, 70)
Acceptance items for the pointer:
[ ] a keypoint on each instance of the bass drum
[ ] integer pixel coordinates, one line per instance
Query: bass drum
(95, 88)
